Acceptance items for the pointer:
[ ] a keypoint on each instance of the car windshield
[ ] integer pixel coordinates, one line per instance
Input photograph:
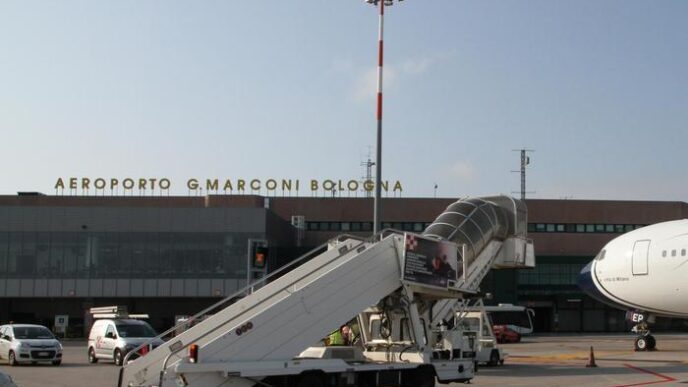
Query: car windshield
(135, 330)
(32, 333)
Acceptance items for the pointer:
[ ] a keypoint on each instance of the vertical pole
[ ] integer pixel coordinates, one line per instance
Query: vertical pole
(523, 174)
(378, 163)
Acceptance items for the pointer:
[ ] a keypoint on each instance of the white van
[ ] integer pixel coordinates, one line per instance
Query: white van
(112, 339)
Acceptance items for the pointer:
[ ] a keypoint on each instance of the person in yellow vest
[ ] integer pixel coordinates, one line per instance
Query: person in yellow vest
(340, 336)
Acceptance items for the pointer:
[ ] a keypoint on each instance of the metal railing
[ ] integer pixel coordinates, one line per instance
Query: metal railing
(228, 301)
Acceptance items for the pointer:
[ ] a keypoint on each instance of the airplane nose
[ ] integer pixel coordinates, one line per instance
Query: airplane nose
(584, 281)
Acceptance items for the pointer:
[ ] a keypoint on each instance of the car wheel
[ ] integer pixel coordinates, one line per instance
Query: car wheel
(57, 362)
(92, 356)
(494, 358)
(12, 359)
(118, 357)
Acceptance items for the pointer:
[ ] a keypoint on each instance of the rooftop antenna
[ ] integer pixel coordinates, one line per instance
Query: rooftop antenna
(525, 161)
(369, 164)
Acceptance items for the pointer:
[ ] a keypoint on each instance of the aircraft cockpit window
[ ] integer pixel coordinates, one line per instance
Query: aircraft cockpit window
(600, 256)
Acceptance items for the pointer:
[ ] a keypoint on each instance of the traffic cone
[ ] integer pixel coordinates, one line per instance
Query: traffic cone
(591, 359)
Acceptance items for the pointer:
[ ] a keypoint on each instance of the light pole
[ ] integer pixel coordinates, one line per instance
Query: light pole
(378, 154)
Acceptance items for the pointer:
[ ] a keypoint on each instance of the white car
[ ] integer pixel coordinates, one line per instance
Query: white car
(26, 343)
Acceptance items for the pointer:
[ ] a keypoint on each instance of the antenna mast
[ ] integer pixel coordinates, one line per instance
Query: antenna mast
(368, 175)
(525, 161)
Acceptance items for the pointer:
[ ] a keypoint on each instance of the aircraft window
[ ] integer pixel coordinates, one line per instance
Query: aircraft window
(561, 228)
(580, 228)
(609, 228)
(673, 253)
(599, 228)
(663, 253)
(550, 228)
(619, 228)
(589, 228)
(683, 252)
(629, 227)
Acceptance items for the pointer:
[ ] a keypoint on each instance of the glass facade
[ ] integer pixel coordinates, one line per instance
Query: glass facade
(123, 254)
(532, 227)
(582, 228)
(551, 274)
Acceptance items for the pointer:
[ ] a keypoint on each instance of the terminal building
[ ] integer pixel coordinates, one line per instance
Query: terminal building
(173, 256)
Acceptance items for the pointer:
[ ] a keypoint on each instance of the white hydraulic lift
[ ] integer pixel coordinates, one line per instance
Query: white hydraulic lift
(270, 337)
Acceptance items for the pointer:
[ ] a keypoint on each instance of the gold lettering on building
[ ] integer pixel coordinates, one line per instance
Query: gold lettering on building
(211, 184)
(214, 185)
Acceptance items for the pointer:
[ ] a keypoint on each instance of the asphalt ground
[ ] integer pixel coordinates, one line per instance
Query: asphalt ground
(562, 361)
(536, 361)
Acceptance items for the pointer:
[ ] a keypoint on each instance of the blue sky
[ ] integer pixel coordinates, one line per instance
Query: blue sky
(264, 89)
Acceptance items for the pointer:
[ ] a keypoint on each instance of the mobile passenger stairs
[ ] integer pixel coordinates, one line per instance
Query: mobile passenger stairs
(389, 284)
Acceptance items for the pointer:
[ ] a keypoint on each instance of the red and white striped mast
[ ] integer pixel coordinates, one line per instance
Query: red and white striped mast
(378, 157)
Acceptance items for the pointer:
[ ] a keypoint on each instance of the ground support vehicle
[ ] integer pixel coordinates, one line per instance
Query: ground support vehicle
(115, 333)
(388, 283)
(504, 334)
(476, 320)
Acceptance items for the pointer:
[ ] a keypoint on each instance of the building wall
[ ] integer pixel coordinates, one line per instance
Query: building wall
(174, 255)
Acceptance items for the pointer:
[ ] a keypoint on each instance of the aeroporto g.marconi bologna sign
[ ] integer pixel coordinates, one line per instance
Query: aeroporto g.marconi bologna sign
(220, 186)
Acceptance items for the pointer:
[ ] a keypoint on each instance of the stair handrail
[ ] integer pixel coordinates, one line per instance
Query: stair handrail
(237, 295)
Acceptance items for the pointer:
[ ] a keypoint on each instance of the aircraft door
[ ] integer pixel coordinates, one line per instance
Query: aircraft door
(641, 251)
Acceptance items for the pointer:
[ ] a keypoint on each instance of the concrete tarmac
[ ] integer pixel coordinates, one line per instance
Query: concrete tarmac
(561, 361)
(537, 361)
